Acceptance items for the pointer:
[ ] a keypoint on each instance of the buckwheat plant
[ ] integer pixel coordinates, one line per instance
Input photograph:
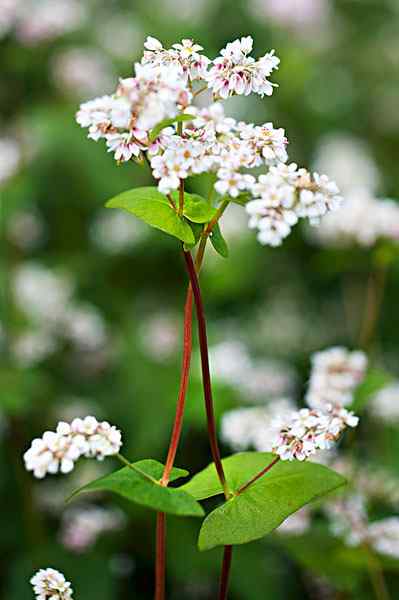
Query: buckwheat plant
(152, 119)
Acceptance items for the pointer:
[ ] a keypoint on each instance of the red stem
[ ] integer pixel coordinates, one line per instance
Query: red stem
(185, 372)
(160, 569)
(258, 476)
(206, 377)
(160, 562)
(224, 577)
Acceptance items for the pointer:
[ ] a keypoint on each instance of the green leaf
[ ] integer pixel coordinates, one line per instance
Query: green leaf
(375, 380)
(196, 208)
(140, 484)
(266, 504)
(197, 230)
(152, 207)
(167, 123)
(218, 241)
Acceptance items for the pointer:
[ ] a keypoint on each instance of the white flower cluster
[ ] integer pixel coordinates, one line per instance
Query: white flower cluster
(139, 103)
(234, 72)
(213, 142)
(49, 584)
(385, 404)
(284, 195)
(367, 219)
(336, 372)
(82, 525)
(165, 83)
(184, 57)
(57, 451)
(307, 431)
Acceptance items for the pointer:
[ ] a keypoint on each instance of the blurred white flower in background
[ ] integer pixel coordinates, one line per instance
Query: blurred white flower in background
(26, 229)
(159, 336)
(40, 293)
(297, 523)
(82, 525)
(82, 71)
(43, 20)
(384, 536)
(255, 427)
(348, 160)
(121, 35)
(85, 327)
(116, 231)
(189, 10)
(8, 15)
(10, 158)
(363, 220)
(295, 14)
(257, 380)
(32, 347)
(385, 404)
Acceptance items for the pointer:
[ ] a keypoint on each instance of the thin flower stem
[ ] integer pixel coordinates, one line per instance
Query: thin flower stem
(374, 297)
(258, 476)
(127, 463)
(225, 574)
(185, 371)
(181, 198)
(160, 561)
(206, 378)
(200, 90)
(376, 574)
(207, 232)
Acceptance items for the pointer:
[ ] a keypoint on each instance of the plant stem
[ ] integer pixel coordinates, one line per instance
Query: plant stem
(376, 575)
(224, 577)
(207, 232)
(206, 377)
(258, 476)
(185, 371)
(181, 198)
(160, 561)
(374, 297)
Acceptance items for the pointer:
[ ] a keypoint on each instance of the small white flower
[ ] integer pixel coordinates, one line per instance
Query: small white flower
(49, 584)
(58, 451)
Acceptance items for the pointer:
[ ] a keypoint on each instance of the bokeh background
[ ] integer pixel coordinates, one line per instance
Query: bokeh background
(92, 300)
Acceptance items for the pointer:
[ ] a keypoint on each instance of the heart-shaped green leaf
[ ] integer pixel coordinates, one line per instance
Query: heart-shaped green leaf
(152, 207)
(167, 123)
(263, 506)
(140, 484)
(218, 241)
(196, 208)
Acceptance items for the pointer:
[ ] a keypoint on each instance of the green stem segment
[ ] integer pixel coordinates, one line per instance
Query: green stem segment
(376, 575)
(206, 377)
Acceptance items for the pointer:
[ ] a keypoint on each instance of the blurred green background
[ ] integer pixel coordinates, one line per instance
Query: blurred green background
(120, 286)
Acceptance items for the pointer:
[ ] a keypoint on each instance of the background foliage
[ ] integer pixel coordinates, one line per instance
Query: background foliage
(338, 83)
